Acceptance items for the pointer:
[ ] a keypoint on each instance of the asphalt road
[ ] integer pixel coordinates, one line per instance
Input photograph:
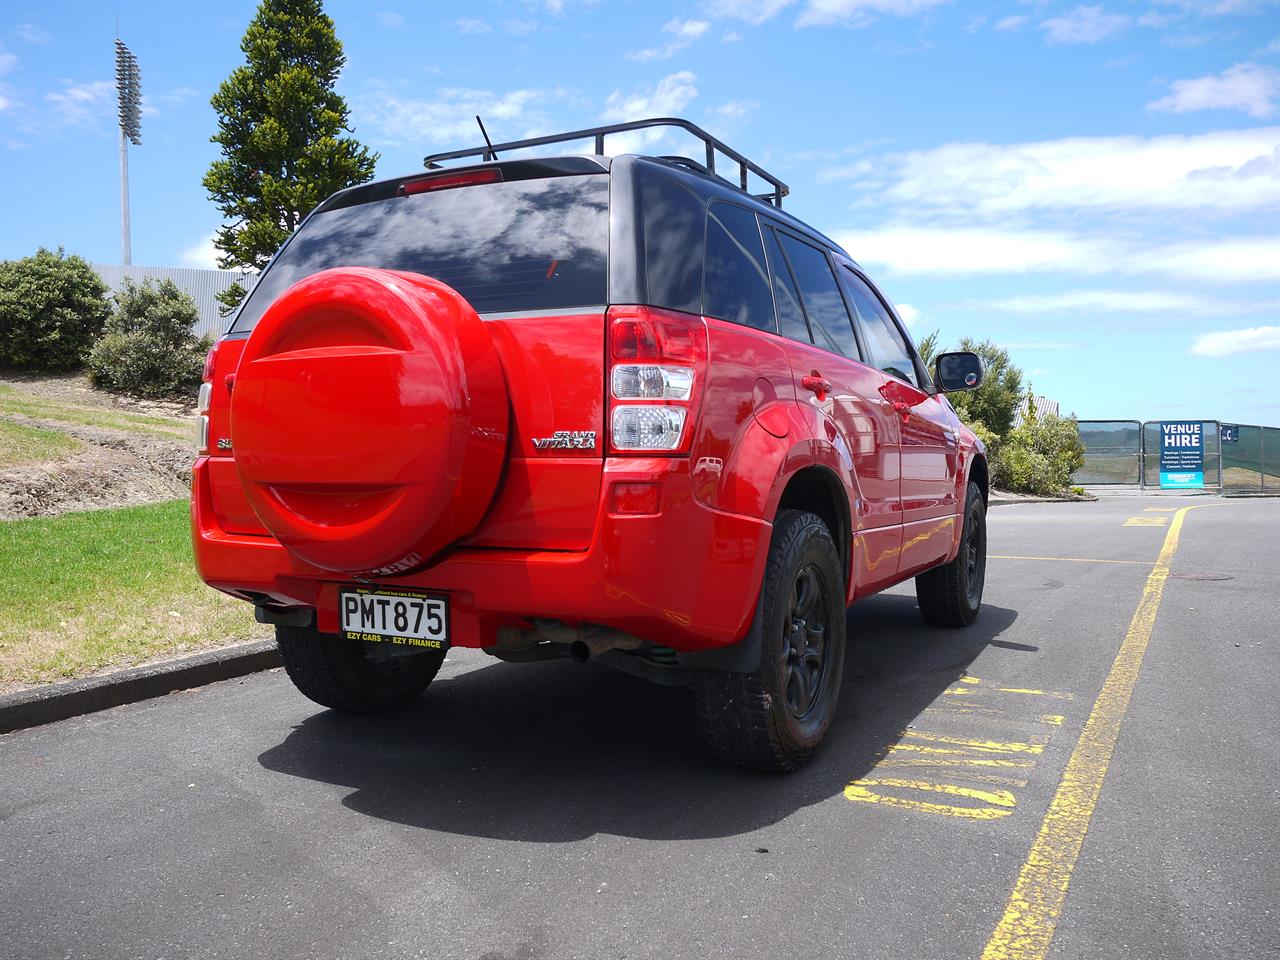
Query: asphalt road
(559, 811)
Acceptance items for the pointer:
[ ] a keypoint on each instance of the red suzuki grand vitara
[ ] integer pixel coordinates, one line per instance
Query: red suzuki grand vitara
(606, 408)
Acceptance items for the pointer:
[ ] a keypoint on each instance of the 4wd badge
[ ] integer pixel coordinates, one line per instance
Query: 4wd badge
(567, 440)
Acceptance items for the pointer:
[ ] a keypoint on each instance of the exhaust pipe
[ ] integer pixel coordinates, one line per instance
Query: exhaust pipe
(596, 642)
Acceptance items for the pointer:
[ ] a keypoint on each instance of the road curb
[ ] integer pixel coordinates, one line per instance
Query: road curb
(60, 701)
(1002, 502)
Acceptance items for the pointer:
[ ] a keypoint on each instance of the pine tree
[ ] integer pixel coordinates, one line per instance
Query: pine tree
(279, 126)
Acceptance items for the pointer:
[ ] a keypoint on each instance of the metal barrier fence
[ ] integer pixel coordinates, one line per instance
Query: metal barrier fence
(1237, 458)
(1250, 457)
(1112, 452)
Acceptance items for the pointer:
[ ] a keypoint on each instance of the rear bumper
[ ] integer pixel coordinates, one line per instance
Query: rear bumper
(687, 577)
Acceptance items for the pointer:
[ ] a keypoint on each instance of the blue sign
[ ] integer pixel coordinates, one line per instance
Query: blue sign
(1182, 454)
(1230, 433)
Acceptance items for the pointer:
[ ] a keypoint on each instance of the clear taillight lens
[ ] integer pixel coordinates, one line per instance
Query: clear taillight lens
(656, 360)
(202, 434)
(647, 427)
(633, 381)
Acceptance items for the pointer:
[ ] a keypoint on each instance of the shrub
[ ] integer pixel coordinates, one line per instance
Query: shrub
(148, 348)
(1038, 457)
(52, 308)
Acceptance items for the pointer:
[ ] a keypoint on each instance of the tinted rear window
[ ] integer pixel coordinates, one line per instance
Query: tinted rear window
(519, 246)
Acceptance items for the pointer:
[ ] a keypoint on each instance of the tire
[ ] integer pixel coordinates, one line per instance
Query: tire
(338, 673)
(951, 595)
(774, 719)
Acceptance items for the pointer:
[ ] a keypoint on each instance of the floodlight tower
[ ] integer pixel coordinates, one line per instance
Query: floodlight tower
(129, 95)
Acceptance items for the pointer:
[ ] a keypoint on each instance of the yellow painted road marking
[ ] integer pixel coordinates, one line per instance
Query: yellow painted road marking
(1053, 719)
(949, 751)
(1146, 521)
(985, 746)
(956, 762)
(994, 556)
(1159, 509)
(1025, 932)
(1037, 693)
(1000, 802)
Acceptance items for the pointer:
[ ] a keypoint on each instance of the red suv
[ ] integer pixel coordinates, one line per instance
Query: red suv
(616, 409)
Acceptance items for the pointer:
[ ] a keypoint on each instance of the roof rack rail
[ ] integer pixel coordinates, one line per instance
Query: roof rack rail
(598, 134)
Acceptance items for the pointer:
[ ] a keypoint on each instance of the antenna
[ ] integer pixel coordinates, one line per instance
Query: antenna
(490, 154)
(129, 97)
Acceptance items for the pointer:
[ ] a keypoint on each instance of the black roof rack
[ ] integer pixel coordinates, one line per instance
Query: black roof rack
(713, 145)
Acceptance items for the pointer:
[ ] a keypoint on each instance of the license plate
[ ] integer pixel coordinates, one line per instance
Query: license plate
(394, 616)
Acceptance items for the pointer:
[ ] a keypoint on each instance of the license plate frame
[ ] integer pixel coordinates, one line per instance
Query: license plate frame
(377, 617)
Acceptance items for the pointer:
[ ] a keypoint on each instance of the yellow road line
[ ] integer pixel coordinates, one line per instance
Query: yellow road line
(1066, 559)
(1156, 521)
(1025, 932)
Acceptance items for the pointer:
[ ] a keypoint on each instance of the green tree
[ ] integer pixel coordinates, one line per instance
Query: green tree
(52, 307)
(280, 127)
(148, 348)
(929, 350)
(229, 299)
(994, 402)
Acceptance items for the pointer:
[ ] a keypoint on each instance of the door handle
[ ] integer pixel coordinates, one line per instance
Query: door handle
(816, 382)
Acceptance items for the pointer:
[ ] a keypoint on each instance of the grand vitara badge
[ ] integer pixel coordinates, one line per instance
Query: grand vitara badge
(567, 440)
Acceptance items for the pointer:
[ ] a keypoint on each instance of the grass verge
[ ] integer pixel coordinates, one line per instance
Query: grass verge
(43, 408)
(101, 588)
(20, 443)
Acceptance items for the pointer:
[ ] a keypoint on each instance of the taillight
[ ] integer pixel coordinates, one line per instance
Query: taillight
(657, 359)
(202, 402)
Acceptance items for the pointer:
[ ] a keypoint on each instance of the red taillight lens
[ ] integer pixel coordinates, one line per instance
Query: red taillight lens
(446, 181)
(207, 375)
(657, 359)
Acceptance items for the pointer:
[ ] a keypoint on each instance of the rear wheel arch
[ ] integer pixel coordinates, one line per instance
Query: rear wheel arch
(816, 489)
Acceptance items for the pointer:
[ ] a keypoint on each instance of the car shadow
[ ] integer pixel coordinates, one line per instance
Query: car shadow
(555, 752)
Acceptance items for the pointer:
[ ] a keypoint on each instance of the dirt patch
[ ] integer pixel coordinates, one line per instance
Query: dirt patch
(76, 388)
(114, 469)
(117, 467)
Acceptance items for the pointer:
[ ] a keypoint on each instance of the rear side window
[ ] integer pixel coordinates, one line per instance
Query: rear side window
(889, 350)
(828, 317)
(736, 280)
(517, 246)
(791, 322)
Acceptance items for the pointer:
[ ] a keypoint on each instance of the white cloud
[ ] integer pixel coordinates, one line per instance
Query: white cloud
(1101, 301)
(909, 314)
(157, 104)
(472, 25)
(389, 19)
(30, 33)
(1085, 24)
(754, 12)
(1012, 23)
(733, 36)
(735, 109)
(859, 13)
(202, 255)
(1227, 170)
(684, 33)
(81, 103)
(1250, 87)
(944, 251)
(449, 116)
(7, 61)
(1044, 345)
(1222, 343)
(667, 98)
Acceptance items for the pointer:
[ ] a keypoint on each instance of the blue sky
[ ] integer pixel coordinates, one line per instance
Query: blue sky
(1096, 186)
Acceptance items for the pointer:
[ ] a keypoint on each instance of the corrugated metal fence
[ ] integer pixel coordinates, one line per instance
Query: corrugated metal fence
(202, 286)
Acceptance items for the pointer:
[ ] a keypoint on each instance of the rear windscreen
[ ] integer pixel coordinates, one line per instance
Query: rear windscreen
(523, 245)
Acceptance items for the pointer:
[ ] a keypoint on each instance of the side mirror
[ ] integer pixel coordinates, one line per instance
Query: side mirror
(957, 371)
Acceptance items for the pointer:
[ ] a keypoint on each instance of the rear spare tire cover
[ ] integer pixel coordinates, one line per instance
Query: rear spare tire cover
(369, 419)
